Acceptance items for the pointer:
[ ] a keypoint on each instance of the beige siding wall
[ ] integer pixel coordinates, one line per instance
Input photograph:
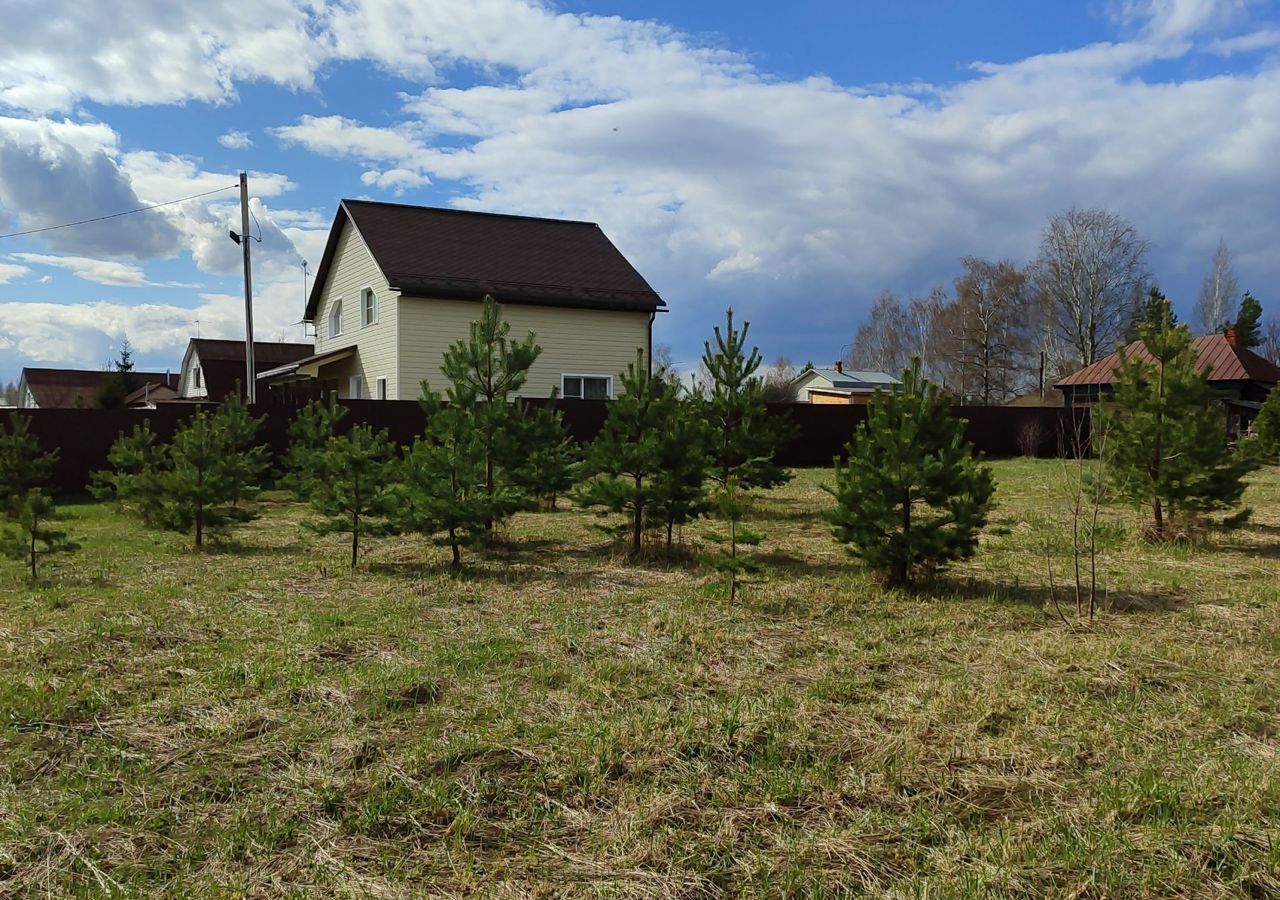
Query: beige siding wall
(574, 342)
(353, 270)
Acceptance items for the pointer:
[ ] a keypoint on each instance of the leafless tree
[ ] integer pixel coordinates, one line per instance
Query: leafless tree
(881, 343)
(1218, 293)
(992, 301)
(1089, 263)
(779, 381)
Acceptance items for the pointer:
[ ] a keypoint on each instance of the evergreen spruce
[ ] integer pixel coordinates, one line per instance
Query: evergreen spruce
(442, 478)
(1167, 441)
(1154, 307)
(1248, 323)
(484, 373)
(353, 487)
(912, 496)
(741, 440)
(137, 460)
(309, 434)
(120, 382)
(628, 456)
(30, 535)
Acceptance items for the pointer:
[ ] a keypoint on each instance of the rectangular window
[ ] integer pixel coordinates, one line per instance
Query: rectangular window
(335, 319)
(586, 387)
(197, 374)
(382, 388)
(355, 388)
(369, 306)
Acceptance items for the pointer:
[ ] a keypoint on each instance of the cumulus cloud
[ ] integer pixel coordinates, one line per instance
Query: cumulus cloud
(726, 185)
(84, 334)
(153, 51)
(55, 172)
(236, 140)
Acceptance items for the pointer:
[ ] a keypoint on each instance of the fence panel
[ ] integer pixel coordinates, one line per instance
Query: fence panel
(818, 433)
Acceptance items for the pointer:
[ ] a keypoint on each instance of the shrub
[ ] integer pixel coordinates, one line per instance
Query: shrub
(912, 496)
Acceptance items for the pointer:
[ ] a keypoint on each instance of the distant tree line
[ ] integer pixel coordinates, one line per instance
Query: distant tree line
(1002, 327)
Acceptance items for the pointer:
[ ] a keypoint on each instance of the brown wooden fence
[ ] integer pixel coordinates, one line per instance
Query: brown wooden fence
(83, 437)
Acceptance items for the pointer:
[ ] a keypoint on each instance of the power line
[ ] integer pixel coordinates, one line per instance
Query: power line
(127, 212)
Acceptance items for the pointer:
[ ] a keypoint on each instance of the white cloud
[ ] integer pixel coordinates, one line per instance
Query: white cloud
(83, 334)
(10, 271)
(153, 51)
(236, 140)
(98, 271)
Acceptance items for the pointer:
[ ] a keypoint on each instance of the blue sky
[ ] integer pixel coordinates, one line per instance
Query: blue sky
(790, 159)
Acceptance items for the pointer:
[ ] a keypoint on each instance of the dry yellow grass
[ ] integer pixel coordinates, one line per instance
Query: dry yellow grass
(259, 721)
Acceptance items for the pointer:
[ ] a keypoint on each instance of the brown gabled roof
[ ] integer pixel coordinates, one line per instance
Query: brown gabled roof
(1213, 352)
(458, 254)
(222, 362)
(72, 388)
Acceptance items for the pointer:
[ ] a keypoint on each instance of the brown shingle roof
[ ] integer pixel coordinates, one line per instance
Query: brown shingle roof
(451, 253)
(71, 388)
(1213, 352)
(222, 362)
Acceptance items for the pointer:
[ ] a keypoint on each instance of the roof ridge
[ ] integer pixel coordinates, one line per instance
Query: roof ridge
(471, 212)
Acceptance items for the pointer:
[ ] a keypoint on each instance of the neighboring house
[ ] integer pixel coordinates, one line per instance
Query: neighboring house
(398, 285)
(214, 370)
(1238, 377)
(77, 388)
(837, 386)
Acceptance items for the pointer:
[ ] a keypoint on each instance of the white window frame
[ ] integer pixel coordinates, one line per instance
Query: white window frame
(335, 314)
(368, 307)
(198, 377)
(608, 379)
(355, 387)
(380, 391)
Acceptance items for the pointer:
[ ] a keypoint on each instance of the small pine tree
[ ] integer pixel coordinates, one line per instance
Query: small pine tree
(23, 465)
(544, 457)
(212, 471)
(30, 535)
(680, 489)
(442, 477)
(1248, 323)
(627, 457)
(137, 460)
(912, 495)
(1267, 427)
(309, 434)
(246, 462)
(1167, 442)
(741, 438)
(484, 373)
(353, 487)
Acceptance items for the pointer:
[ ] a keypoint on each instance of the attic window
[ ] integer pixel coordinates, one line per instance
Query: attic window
(335, 319)
(197, 376)
(368, 307)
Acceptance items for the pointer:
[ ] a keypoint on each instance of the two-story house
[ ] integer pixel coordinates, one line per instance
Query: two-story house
(398, 285)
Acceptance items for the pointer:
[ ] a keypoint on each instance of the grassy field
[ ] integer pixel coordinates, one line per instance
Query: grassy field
(257, 720)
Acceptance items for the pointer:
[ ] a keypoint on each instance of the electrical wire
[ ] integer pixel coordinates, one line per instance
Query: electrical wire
(127, 212)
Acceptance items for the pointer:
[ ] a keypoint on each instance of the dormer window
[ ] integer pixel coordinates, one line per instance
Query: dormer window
(335, 319)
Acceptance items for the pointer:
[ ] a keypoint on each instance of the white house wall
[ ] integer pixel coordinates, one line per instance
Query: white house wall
(573, 341)
(352, 270)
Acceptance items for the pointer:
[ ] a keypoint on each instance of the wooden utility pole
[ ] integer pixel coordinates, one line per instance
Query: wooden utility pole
(250, 370)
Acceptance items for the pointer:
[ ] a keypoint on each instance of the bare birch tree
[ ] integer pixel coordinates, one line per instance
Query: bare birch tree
(991, 297)
(881, 343)
(1089, 264)
(1218, 293)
